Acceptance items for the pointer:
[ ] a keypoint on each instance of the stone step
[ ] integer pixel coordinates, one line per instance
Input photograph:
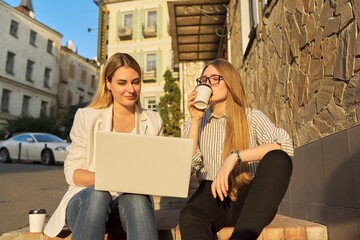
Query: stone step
(281, 228)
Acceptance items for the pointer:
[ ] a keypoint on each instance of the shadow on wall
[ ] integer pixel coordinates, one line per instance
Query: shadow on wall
(341, 157)
(325, 186)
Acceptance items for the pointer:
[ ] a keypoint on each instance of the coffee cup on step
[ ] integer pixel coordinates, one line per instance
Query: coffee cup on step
(37, 220)
(204, 92)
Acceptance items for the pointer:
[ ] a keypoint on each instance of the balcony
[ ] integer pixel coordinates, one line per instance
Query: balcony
(149, 31)
(149, 77)
(125, 33)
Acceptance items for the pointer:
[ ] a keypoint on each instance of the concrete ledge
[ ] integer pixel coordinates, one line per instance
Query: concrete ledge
(281, 228)
(286, 228)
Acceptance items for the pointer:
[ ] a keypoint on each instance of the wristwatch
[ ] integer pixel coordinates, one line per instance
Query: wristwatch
(238, 157)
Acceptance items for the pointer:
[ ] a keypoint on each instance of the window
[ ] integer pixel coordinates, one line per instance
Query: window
(47, 77)
(125, 30)
(43, 108)
(150, 62)
(149, 28)
(264, 3)
(32, 39)
(10, 62)
(23, 138)
(50, 46)
(93, 81)
(127, 20)
(81, 98)
(14, 26)
(29, 70)
(151, 19)
(249, 22)
(253, 13)
(69, 98)
(83, 76)
(25, 106)
(71, 71)
(5, 100)
(150, 103)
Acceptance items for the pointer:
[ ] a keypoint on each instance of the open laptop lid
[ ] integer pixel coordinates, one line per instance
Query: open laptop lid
(142, 164)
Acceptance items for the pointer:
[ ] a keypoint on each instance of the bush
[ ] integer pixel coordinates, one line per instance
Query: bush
(41, 124)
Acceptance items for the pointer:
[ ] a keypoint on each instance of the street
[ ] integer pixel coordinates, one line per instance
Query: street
(28, 186)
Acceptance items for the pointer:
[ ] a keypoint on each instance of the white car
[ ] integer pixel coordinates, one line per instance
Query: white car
(40, 147)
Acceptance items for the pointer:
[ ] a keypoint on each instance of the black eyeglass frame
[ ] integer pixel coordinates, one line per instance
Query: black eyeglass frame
(213, 80)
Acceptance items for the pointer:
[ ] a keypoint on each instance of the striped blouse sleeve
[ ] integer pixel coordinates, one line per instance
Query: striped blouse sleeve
(197, 162)
(266, 132)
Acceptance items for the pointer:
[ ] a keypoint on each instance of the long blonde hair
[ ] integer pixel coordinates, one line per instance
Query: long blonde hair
(237, 130)
(103, 97)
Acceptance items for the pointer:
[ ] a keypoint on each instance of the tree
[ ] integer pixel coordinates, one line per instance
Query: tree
(169, 105)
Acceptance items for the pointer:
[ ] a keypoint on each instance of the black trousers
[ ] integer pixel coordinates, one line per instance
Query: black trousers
(254, 209)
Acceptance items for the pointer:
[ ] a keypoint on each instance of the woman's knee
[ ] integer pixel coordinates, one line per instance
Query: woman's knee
(277, 159)
(137, 204)
(88, 203)
(189, 213)
(185, 213)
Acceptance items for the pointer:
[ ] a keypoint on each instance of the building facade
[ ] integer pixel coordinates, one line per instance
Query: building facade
(29, 59)
(79, 78)
(139, 28)
(38, 76)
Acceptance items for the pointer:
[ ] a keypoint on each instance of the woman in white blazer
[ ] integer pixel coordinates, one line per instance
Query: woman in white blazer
(115, 107)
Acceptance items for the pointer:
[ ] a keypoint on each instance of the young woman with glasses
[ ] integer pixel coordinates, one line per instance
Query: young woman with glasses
(243, 162)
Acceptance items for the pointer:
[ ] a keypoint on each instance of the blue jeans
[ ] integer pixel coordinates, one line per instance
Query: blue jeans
(90, 212)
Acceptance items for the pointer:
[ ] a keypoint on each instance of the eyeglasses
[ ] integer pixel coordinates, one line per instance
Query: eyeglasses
(213, 80)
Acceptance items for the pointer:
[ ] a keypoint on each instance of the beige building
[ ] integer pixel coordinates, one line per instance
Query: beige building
(299, 61)
(79, 78)
(38, 76)
(29, 73)
(139, 28)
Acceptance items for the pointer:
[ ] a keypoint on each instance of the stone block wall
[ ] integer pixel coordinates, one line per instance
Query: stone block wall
(302, 68)
(188, 71)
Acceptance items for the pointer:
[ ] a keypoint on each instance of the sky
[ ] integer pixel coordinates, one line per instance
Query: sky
(71, 18)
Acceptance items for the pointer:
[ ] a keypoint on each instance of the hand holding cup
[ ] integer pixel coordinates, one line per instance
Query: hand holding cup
(204, 92)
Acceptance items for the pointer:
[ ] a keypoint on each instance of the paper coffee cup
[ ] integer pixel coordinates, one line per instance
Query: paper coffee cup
(204, 92)
(37, 220)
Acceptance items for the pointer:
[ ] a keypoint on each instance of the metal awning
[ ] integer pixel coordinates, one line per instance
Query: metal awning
(198, 29)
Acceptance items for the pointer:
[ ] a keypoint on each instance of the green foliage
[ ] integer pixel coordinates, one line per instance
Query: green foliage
(41, 124)
(2, 134)
(169, 105)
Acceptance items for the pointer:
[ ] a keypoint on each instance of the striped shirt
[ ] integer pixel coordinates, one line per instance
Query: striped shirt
(206, 161)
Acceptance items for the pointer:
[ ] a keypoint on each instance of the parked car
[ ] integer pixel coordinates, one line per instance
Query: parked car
(39, 147)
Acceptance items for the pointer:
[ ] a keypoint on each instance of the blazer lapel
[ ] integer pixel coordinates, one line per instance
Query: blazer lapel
(104, 123)
(141, 120)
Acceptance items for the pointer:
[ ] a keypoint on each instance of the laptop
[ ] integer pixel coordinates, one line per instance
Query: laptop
(142, 164)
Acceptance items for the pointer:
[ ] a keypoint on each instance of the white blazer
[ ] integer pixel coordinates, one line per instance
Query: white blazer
(81, 150)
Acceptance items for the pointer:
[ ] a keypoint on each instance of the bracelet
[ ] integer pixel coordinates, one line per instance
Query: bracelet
(238, 157)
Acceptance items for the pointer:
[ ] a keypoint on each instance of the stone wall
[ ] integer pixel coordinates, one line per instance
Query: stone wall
(189, 71)
(302, 69)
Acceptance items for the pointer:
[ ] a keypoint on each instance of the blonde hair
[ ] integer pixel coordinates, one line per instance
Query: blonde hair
(236, 122)
(103, 97)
